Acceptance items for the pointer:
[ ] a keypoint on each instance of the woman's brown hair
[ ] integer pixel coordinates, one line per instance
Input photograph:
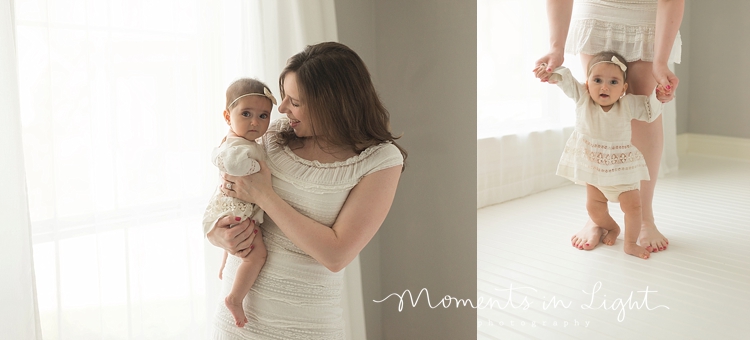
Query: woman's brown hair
(339, 96)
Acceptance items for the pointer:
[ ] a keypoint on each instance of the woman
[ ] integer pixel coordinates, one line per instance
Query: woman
(329, 182)
(644, 31)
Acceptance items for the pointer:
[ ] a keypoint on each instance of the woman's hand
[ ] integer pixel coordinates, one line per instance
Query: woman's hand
(251, 188)
(553, 60)
(667, 80)
(233, 236)
(661, 94)
(541, 73)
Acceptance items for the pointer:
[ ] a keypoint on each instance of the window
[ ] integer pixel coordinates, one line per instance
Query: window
(121, 104)
(511, 36)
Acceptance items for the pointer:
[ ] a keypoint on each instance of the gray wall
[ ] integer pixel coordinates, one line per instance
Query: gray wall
(682, 70)
(423, 58)
(719, 41)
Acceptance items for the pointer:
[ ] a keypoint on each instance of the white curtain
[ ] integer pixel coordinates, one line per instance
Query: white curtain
(522, 124)
(120, 105)
(19, 318)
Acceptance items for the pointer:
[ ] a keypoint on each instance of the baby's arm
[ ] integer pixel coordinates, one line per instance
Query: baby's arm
(237, 160)
(564, 79)
(644, 108)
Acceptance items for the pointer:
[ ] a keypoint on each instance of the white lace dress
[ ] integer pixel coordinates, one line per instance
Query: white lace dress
(295, 297)
(599, 151)
(625, 26)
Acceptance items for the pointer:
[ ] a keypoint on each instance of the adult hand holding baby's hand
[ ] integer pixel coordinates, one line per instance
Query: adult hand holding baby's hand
(667, 82)
(542, 73)
(663, 95)
(548, 63)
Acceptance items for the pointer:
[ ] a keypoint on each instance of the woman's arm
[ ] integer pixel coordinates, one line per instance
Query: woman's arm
(668, 19)
(360, 217)
(558, 15)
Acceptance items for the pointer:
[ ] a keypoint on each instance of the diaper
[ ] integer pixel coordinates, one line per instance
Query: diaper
(612, 192)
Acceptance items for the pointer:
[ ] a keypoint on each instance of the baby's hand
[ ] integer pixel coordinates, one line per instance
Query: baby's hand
(541, 73)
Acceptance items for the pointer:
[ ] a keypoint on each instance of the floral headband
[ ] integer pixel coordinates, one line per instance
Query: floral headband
(615, 61)
(266, 93)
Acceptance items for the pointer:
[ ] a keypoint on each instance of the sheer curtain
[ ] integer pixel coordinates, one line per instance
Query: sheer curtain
(120, 105)
(19, 318)
(522, 124)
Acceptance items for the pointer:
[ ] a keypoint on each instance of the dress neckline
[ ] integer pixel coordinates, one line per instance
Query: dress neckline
(336, 164)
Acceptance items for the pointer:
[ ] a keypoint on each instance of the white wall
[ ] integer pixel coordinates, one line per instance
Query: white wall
(423, 57)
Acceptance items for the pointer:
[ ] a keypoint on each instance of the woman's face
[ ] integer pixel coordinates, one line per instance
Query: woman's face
(294, 108)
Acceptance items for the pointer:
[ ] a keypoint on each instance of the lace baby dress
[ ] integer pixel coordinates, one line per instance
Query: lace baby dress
(625, 26)
(599, 151)
(238, 157)
(295, 297)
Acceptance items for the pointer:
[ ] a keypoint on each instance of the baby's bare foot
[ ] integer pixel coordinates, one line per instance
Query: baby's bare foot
(636, 250)
(610, 236)
(588, 237)
(651, 239)
(235, 307)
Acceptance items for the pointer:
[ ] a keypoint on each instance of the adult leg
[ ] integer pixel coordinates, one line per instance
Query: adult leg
(649, 139)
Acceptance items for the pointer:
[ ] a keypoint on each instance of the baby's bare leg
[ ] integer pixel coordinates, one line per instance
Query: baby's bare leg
(630, 203)
(603, 228)
(223, 264)
(247, 273)
(649, 139)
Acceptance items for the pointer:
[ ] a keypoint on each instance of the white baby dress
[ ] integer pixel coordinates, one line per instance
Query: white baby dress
(237, 157)
(599, 151)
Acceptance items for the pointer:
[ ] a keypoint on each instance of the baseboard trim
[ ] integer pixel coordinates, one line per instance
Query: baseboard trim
(711, 145)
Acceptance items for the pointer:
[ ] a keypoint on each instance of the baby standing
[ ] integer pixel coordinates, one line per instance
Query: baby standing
(599, 153)
(248, 114)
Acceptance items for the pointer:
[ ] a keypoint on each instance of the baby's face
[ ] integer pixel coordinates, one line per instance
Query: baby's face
(606, 84)
(249, 119)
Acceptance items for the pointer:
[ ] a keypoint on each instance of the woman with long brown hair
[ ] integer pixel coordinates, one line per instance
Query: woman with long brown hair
(329, 181)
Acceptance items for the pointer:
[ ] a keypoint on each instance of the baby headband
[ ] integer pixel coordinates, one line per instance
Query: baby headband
(266, 93)
(615, 61)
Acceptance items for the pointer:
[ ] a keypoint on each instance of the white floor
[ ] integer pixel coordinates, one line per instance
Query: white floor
(698, 289)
